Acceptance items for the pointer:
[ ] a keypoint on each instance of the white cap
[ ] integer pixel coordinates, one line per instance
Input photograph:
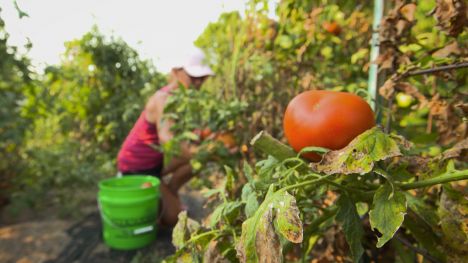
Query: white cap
(195, 65)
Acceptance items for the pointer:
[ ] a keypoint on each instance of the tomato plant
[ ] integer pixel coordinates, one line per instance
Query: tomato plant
(376, 197)
(327, 119)
(200, 118)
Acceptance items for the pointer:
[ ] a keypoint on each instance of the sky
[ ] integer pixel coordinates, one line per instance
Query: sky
(159, 30)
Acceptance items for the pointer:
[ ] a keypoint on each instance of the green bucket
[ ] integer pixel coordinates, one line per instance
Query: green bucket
(128, 211)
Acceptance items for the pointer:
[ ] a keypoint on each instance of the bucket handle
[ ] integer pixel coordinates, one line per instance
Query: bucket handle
(135, 232)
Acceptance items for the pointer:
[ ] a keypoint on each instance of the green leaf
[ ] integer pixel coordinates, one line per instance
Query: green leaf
(226, 211)
(313, 149)
(424, 235)
(387, 213)
(21, 13)
(216, 215)
(351, 223)
(259, 239)
(423, 211)
(247, 190)
(360, 155)
(229, 182)
(231, 211)
(251, 205)
(211, 192)
(184, 228)
(248, 171)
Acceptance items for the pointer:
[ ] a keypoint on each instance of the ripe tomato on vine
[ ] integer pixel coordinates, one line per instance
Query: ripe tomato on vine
(326, 119)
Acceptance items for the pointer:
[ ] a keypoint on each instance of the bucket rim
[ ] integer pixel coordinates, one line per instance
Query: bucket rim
(154, 180)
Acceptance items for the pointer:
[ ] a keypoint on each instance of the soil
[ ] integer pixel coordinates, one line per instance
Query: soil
(45, 237)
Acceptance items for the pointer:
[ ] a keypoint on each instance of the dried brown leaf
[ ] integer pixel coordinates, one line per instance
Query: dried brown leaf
(388, 89)
(387, 59)
(451, 16)
(408, 11)
(212, 254)
(450, 126)
(450, 49)
(457, 150)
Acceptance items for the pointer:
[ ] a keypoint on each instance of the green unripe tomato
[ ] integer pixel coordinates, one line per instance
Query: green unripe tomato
(434, 150)
(403, 100)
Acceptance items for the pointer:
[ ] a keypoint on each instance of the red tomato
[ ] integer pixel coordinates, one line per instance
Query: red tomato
(326, 119)
(332, 27)
(146, 185)
(205, 133)
(227, 139)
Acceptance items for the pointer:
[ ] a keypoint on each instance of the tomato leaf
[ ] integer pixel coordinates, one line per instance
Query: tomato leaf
(313, 149)
(216, 215)
(259, 238)
(351, 223)
(453, 211)
(213, 253)
(456, 151)
(184, 228)
(229, 182)
(248, 171)
(360, 155)
(228, 211)
(424, 235)
(387, 213)
(423, 211)
(288, 222)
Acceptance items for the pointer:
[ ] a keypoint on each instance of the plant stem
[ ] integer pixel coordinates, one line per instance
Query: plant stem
(265, 143)
(418, 250)
(445, 178)
(437, 69)
(323, 178)
(326, 215)
(197, 237)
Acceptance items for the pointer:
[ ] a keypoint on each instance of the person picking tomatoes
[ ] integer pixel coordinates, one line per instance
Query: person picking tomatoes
(137, 154)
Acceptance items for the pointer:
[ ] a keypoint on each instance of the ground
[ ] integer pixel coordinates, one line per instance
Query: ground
(46, 237)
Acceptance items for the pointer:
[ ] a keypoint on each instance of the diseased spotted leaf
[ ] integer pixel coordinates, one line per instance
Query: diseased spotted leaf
(360, 155)
(387, 213)
(453, 213)
(351, 223)
(288, 222)
(259, 240)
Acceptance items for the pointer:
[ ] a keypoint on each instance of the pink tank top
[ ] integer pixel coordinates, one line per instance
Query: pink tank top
(136, 153)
